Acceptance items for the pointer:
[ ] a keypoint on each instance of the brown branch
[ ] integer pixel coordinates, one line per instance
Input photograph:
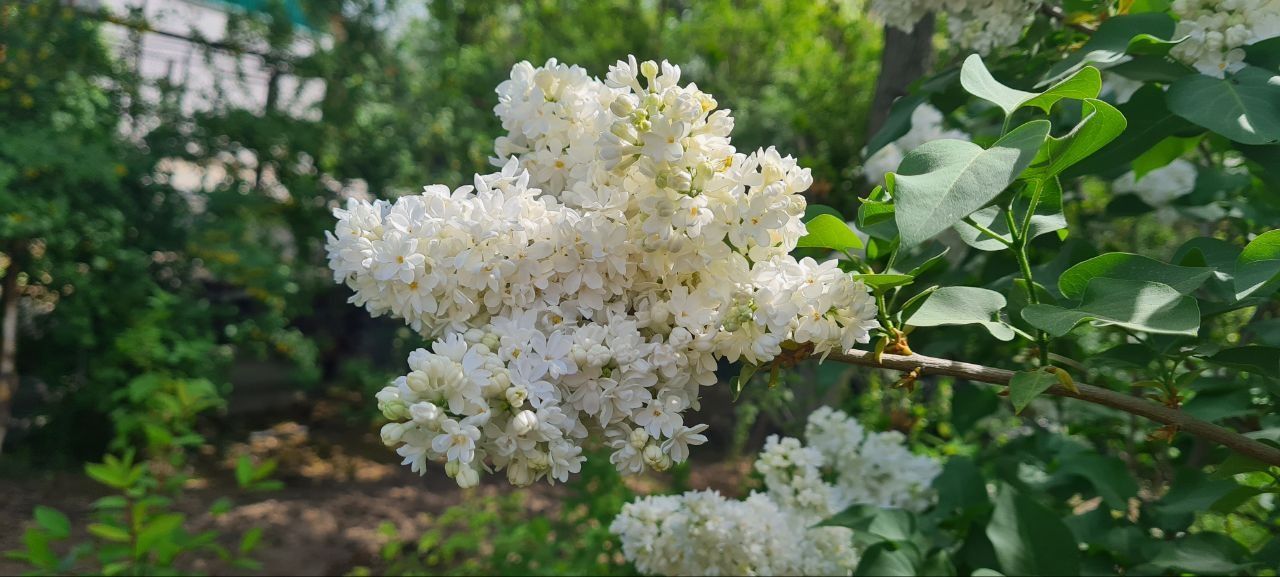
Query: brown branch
(1088, 393)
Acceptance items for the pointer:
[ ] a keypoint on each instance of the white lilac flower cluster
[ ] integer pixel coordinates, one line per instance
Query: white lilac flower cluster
(1217, 31)
(588, 288)
(978, 25)
(926, 126)
(772, 532)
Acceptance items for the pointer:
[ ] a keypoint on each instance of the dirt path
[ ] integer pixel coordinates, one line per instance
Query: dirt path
(325, 521)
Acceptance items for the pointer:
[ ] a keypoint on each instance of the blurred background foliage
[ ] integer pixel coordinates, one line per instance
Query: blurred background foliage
(145, 314)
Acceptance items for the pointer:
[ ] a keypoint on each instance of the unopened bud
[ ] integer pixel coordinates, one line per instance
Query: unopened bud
(467, 477)
(517, 395)
(524, 422)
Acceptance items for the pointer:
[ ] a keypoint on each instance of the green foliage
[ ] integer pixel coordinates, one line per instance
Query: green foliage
(497, 535)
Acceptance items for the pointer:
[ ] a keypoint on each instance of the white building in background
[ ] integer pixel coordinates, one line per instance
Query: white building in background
(210, 76)
(181, 47)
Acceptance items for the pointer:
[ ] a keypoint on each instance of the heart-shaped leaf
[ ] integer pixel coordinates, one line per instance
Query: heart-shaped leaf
(1137, 305)
(1244, 107)
(1123, 265)
(962, 305)
(944, 181)
(827, 231)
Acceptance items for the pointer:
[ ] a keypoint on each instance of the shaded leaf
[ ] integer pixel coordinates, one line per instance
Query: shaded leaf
(1027, 385)
(1029, 539)
(1123, 265)
(1244, 107)
(1137, 305)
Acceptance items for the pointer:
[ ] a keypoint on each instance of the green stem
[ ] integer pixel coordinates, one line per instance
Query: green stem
(984, 230)
(1024, 265)
(1031, 210)
(883, 312)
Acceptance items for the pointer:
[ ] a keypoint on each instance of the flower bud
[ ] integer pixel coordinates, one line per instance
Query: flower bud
(451, 468)
(418, 382)
(524, 422)
(392, 433)
(425, 413)
(649, 69)
(467, 477)
(517, 395)
(539, 460)
(621, 106)
(655, 458)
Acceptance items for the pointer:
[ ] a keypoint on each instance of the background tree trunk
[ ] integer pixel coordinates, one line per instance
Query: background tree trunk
(9, 337)
(906, 57)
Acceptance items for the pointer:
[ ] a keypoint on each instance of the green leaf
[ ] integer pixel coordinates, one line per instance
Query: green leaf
(962, 305)
(896, 125)
(109, 532)
(813, 210)
(1264, 53)
(244, 471)
(827, 231)
(53, 522)
(1197, 553)
(978, 81)
(1244, 107)
(111, 502)
(1256, 359)
(1163, 153)
(1100, 124)
(890, 559)
(1148, 45)
(1083, 85)
(1108, 45)
(1029, 539)
(1027, 385)
(250, 540)
(1149, 121)
(1108, 475)
(1137, 305)
(1123, 265)
(744, 377)
(944, 181)
(1258, 266)
(159, 530)
(38, 551)
(960, 486)
(881, 282)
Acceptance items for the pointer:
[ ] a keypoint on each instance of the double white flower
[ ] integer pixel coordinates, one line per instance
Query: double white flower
(588, 288)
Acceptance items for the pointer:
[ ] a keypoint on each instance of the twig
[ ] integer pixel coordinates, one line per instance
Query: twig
(1088, 393)
(1056, 13)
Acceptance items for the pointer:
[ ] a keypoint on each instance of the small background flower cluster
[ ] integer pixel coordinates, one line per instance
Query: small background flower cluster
(772, 532)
